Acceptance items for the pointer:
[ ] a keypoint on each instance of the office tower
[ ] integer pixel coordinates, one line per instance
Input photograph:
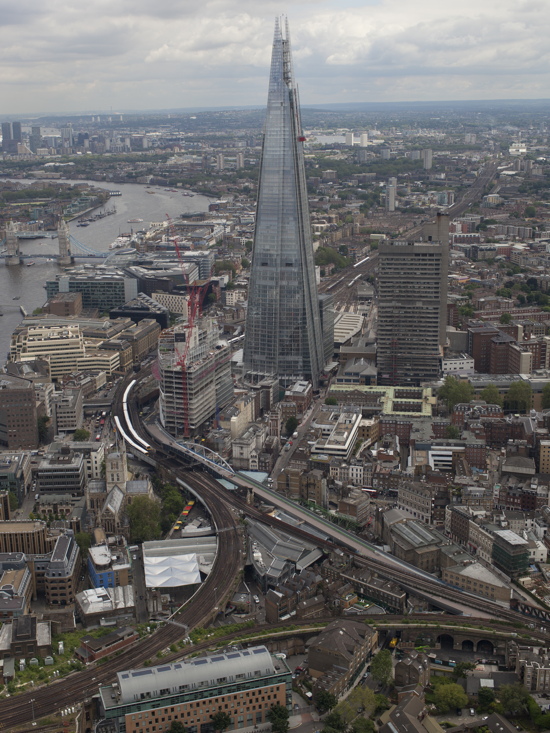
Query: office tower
(364, 140)
(349, 138)
(6, 137)
(67, 135)
(220, 162)
(239, 161)
(35, 138)
(412, 296)
(283, 336)
(16, 132)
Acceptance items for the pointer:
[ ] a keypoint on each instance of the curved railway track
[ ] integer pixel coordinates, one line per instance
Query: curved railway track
(197, 611)
(224, 510)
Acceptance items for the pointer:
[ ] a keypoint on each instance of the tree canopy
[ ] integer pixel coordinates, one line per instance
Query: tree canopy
(518, 397)
(381, 667)
(454, 390)
(177, 727)
(144, 516)
(491, 395)
(220, 720)
(325, 700)
(291, 425)
(278, 717)
(514, 699)
(450, 696)
(505, 318)
(361, 699)
(327, 256)
(452, 432)
(80, 435)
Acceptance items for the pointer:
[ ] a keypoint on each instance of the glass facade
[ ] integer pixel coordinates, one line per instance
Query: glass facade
(283, 338)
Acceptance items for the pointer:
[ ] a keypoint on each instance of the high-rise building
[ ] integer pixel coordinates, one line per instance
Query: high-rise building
(284, 337)
(427, 158)
(6, 137)
(391, 188)
(16, 132)
(412, 294)
(189, 398)
(18, 418)
(35, 138)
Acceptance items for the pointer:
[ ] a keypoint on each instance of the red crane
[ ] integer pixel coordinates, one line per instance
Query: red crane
(196, 295)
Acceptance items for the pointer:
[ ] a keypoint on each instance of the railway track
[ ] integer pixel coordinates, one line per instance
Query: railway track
(196, 612)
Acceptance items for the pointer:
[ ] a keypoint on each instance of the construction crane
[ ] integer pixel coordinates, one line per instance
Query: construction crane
(196, 295)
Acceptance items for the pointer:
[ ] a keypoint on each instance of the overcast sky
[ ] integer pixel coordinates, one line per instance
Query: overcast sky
(90, 55)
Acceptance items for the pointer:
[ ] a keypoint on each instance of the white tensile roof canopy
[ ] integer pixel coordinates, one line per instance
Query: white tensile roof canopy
(171, 571)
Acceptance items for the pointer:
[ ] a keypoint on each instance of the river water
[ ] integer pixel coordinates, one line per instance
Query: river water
(27, 283)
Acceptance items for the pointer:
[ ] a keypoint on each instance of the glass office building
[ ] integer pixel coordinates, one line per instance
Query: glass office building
(284, 336)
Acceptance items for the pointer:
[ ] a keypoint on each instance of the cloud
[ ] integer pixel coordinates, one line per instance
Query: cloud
(64, 57)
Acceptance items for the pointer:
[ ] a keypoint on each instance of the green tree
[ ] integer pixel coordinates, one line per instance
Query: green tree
(80, 435)
(12, 498)
(546, 396)
(514, 699)
(505, 318)
(461, 669)
(325, 701)
(43, 422)
(381, 667)
(447, 697)
(84, 541)
(291, 425)
(454, 391)
(491, 395)
(466, 311)
(144, 516)
(360, 700)
(334, 722)
(223, 265)
(177, 727)
(331, 401)
(382, 703)
(452, 432)
(278, 717)
(485, 697)
(529, 212)
(363, 725)
(221, 720)
(245, 263)
(518, 397)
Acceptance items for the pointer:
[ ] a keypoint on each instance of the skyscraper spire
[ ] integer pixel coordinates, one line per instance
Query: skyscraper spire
(283, 335)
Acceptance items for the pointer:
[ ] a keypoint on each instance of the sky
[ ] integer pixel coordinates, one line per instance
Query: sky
(96, 55)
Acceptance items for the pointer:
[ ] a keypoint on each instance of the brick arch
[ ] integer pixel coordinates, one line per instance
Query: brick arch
(446, 641)
(485, 646)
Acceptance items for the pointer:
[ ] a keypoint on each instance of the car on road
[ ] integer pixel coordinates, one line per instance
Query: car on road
(256, 599)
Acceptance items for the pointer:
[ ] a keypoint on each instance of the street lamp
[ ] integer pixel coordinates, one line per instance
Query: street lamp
(32, 704)
(216, 598)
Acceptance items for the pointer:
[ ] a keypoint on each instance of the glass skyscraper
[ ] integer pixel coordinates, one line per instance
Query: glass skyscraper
(284, 336)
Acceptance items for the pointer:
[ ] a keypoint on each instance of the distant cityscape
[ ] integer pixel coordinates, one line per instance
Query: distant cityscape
(281, 460)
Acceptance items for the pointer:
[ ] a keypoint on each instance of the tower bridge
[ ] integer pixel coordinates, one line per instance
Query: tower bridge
(66, 241)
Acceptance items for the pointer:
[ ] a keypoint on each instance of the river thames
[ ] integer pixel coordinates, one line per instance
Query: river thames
(27, 283)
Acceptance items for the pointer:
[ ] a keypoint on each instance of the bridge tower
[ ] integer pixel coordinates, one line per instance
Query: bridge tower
(63, 237)
(12, 244)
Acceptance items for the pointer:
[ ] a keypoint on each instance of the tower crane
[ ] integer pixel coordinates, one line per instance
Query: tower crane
(196, 295)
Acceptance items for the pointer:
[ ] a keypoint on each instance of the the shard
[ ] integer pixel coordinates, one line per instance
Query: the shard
(284, 336)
